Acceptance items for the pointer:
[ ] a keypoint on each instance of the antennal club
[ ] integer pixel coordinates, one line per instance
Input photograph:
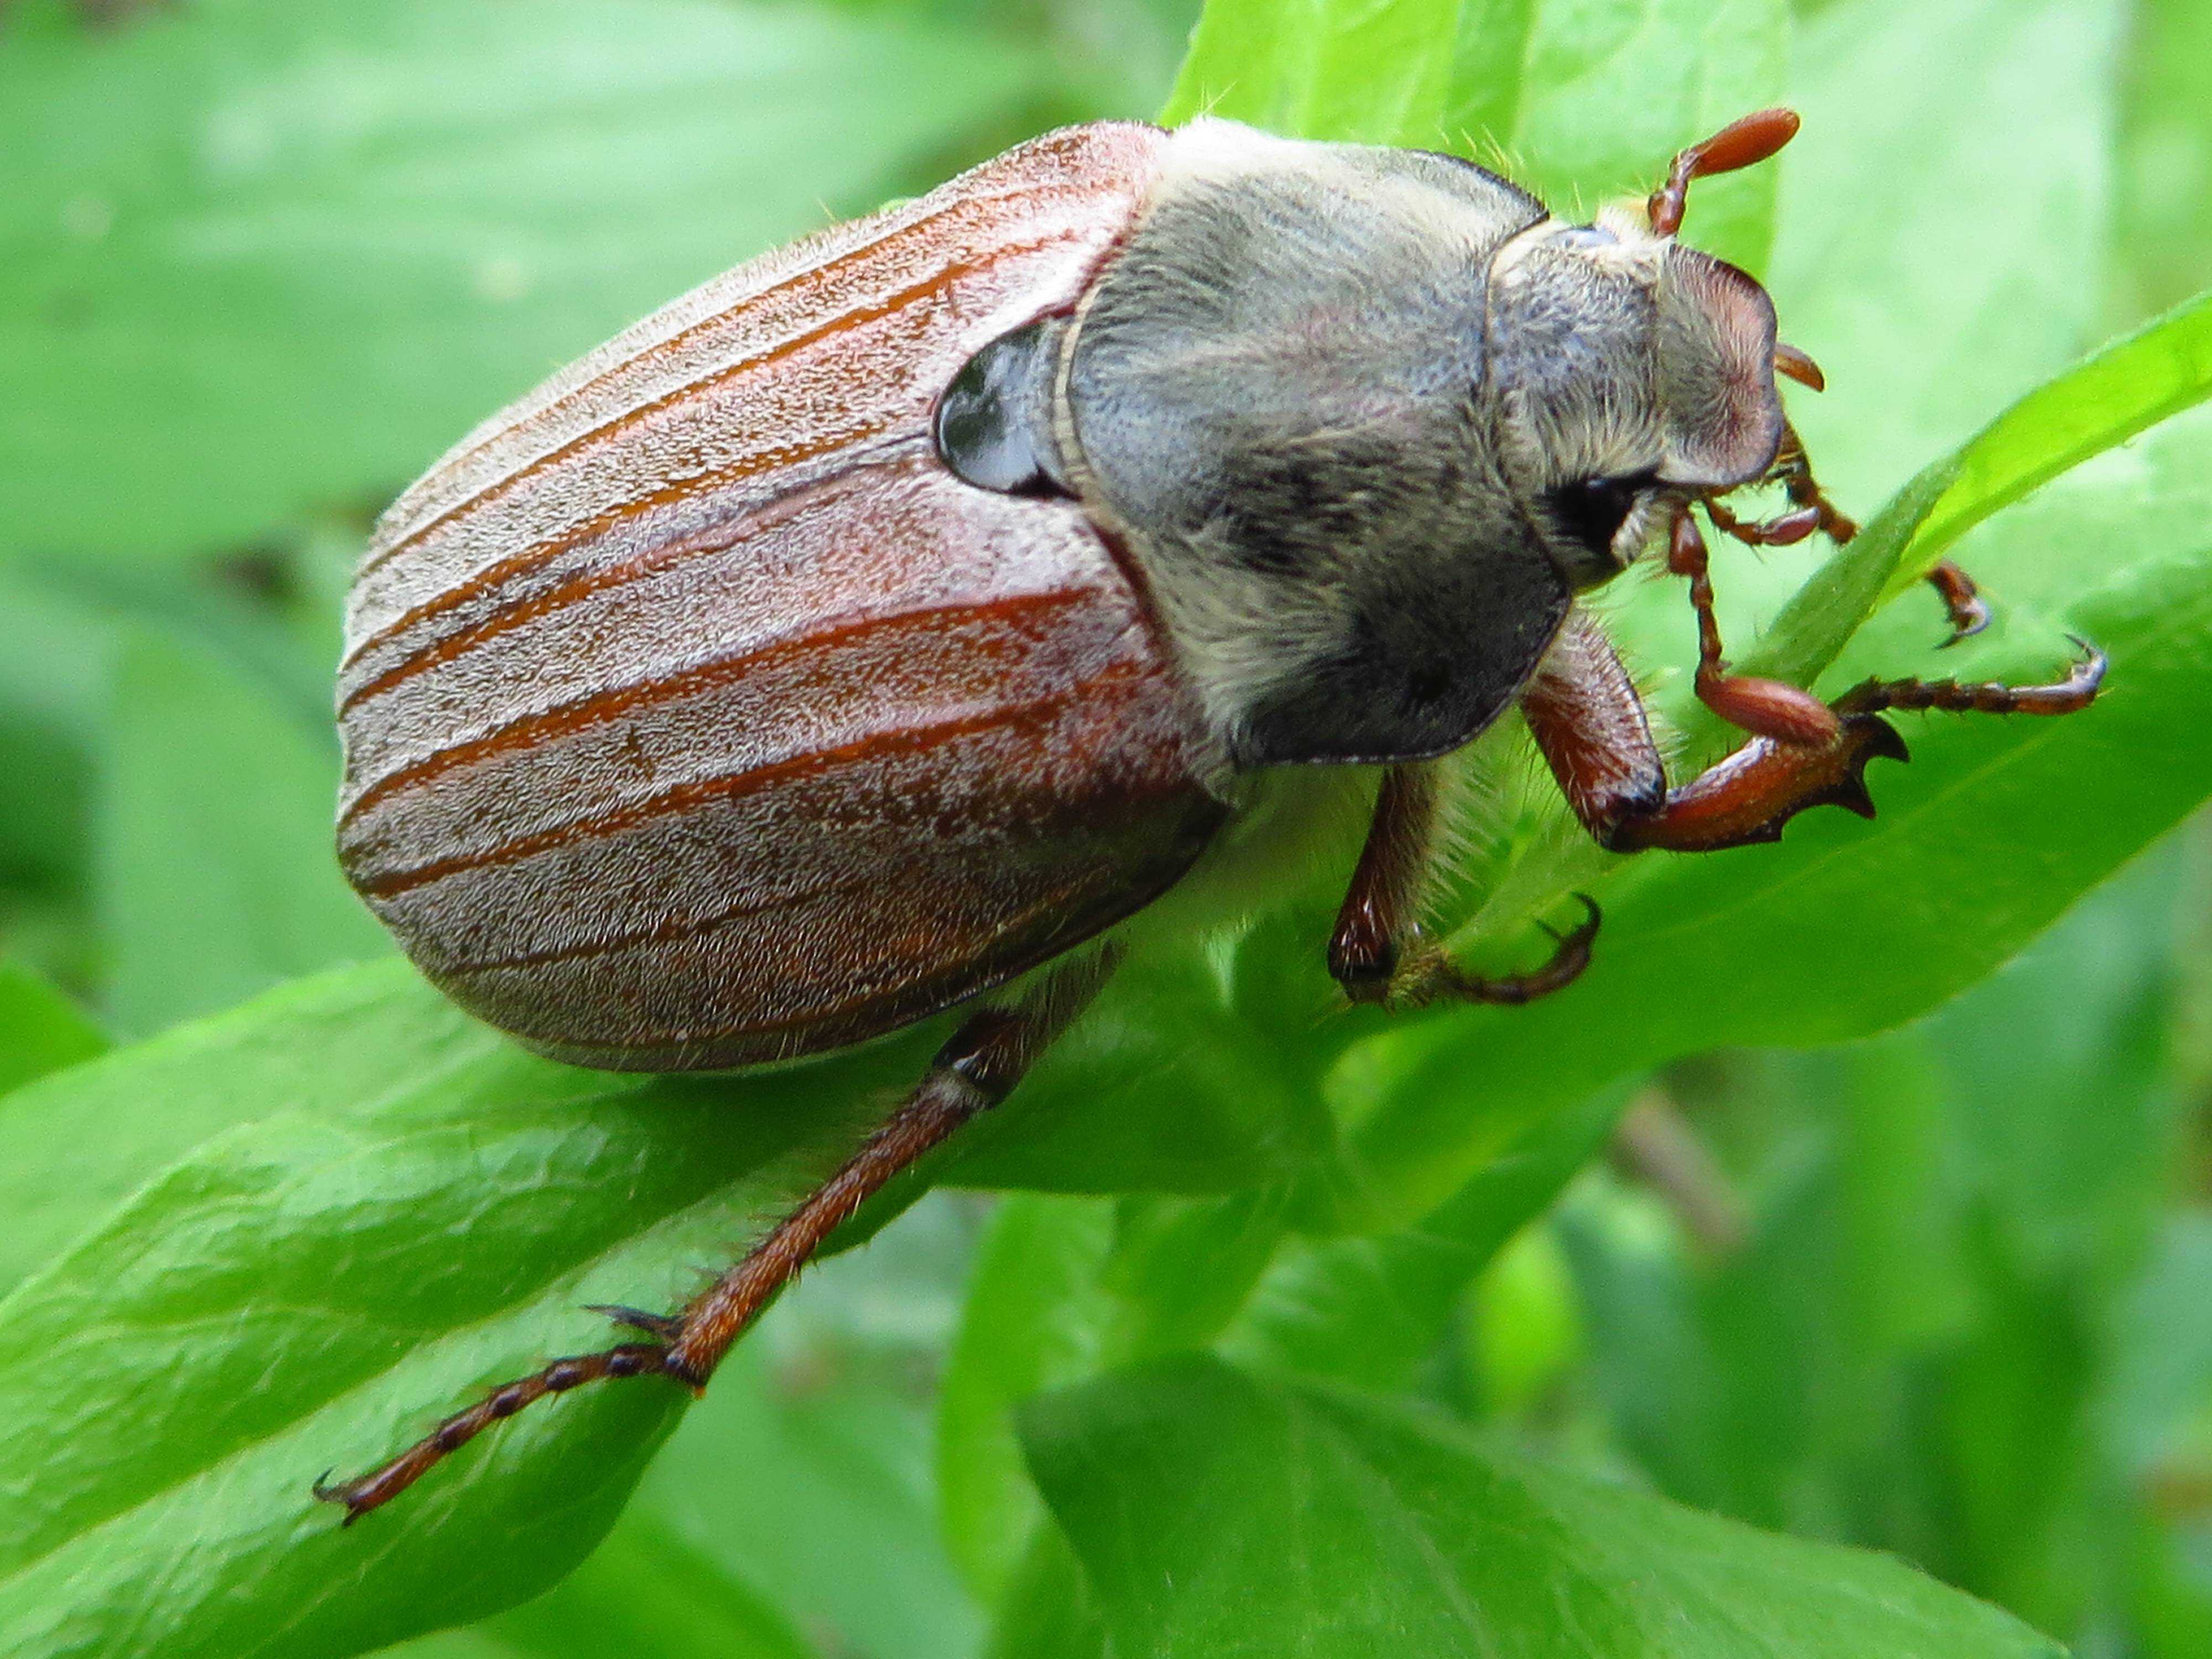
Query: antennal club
(1741, 144)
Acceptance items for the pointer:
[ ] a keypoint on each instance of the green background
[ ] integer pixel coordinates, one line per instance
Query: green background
(1828, 1274)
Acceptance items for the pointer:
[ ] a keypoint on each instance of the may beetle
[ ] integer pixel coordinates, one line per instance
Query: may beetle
(882, 626)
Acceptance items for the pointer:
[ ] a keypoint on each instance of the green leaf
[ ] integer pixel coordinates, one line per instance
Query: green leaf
(645, 1591)
(2132, 384)
(806, 1469)
(1062, 1289)
(1906, 1349)
(1185, 1485)
(1577, 103)
(2163, 240)
(1368, 1311)
(1586, 102)
(1183, 1078)
(217, 873)
(1031, 1322)
(2117, 392)
(336, 234)
(808, 1453)
(1371, 72)
(318, 1047)
(1048, 1612)
(310, 1288)
(40, 1030)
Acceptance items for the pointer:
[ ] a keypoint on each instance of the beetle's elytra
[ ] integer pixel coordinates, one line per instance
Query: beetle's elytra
(882, 626)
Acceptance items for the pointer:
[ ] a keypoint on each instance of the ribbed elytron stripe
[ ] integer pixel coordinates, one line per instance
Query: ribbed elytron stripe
(733, 786)
(460, 458)
(610, 432)
(1032, 613)
(763, 520)
(520, 564)
(666, 933)
(863, 995)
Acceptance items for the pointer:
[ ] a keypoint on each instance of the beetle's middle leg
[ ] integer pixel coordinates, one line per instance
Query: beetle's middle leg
(974, 1072)
(1377, 952)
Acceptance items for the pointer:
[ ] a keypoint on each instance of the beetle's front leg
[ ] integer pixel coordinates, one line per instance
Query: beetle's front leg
(1963, 603)
(983, 1060)
(1376, 953)
(1590, 724)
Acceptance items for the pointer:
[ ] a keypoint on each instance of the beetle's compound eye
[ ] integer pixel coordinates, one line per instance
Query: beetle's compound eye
(1589, 512)
(993, 423)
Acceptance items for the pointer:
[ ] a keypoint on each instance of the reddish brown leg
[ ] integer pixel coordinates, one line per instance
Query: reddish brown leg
(2067, 697)
(972, 1072)
(1766, 709)
(1794, 472)
(1784, 530)
(1375, 953)
(1743, 142)
(1749, 795)
(1962, 602)
(1590, 724)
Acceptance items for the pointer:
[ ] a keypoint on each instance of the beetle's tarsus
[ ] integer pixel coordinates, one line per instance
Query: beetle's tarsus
(379, 1485)
(1433, 975)
(1962, 602)
(2079, 688)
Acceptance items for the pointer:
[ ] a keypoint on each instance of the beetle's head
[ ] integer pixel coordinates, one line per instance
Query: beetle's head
(1627, 374)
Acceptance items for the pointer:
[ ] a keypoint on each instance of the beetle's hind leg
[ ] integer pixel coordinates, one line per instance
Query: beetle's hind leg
(983, 1060)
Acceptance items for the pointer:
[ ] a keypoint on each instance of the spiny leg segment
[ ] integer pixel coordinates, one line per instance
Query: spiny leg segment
(971, 1074)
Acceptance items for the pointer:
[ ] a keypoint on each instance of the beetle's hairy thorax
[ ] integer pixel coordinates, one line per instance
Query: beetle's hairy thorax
(1271, 393)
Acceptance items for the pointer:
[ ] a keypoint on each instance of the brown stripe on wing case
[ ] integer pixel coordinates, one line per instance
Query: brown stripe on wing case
(542, 553)
(608, 431)
(675, 343)
(764, 518)
(1029, 614)
(668, 932)
(890, 740)
(863, 996)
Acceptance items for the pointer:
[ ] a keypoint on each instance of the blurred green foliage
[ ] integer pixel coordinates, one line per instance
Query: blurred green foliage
(1848, 1197)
